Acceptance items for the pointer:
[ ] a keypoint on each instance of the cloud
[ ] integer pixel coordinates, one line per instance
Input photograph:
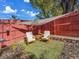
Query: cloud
(8, 9)
(27, 1)
(23, 10)
(31, 13)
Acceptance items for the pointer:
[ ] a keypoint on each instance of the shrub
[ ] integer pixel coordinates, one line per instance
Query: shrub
(15, 53)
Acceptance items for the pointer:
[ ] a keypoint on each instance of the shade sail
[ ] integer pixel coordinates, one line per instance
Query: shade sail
(26, 23)
(44, 21)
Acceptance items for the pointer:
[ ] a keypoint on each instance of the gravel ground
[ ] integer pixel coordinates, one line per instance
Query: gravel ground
(70, 50)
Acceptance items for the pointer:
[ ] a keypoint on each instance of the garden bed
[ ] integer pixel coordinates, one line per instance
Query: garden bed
(38, 50)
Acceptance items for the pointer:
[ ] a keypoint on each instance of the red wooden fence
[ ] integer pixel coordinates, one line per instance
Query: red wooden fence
(12, 32)
(67, 25)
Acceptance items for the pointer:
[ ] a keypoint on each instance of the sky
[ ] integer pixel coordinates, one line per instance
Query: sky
(20, 8)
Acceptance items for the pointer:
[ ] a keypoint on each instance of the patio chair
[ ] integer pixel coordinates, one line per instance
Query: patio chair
(29, 37)
(46, 35)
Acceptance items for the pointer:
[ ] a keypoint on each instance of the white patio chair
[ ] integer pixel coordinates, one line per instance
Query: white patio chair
(46, 35)
(29, 37)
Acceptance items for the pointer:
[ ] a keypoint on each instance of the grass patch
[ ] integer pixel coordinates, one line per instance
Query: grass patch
(44, 50)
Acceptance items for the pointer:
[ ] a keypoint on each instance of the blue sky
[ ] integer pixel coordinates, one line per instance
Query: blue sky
(21, 8)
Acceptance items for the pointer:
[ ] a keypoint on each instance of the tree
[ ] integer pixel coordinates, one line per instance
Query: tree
(13, 17)
(68, 5)
(49, 8)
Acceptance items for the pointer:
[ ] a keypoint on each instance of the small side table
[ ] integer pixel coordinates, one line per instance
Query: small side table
(39, 36)
(2, 41)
